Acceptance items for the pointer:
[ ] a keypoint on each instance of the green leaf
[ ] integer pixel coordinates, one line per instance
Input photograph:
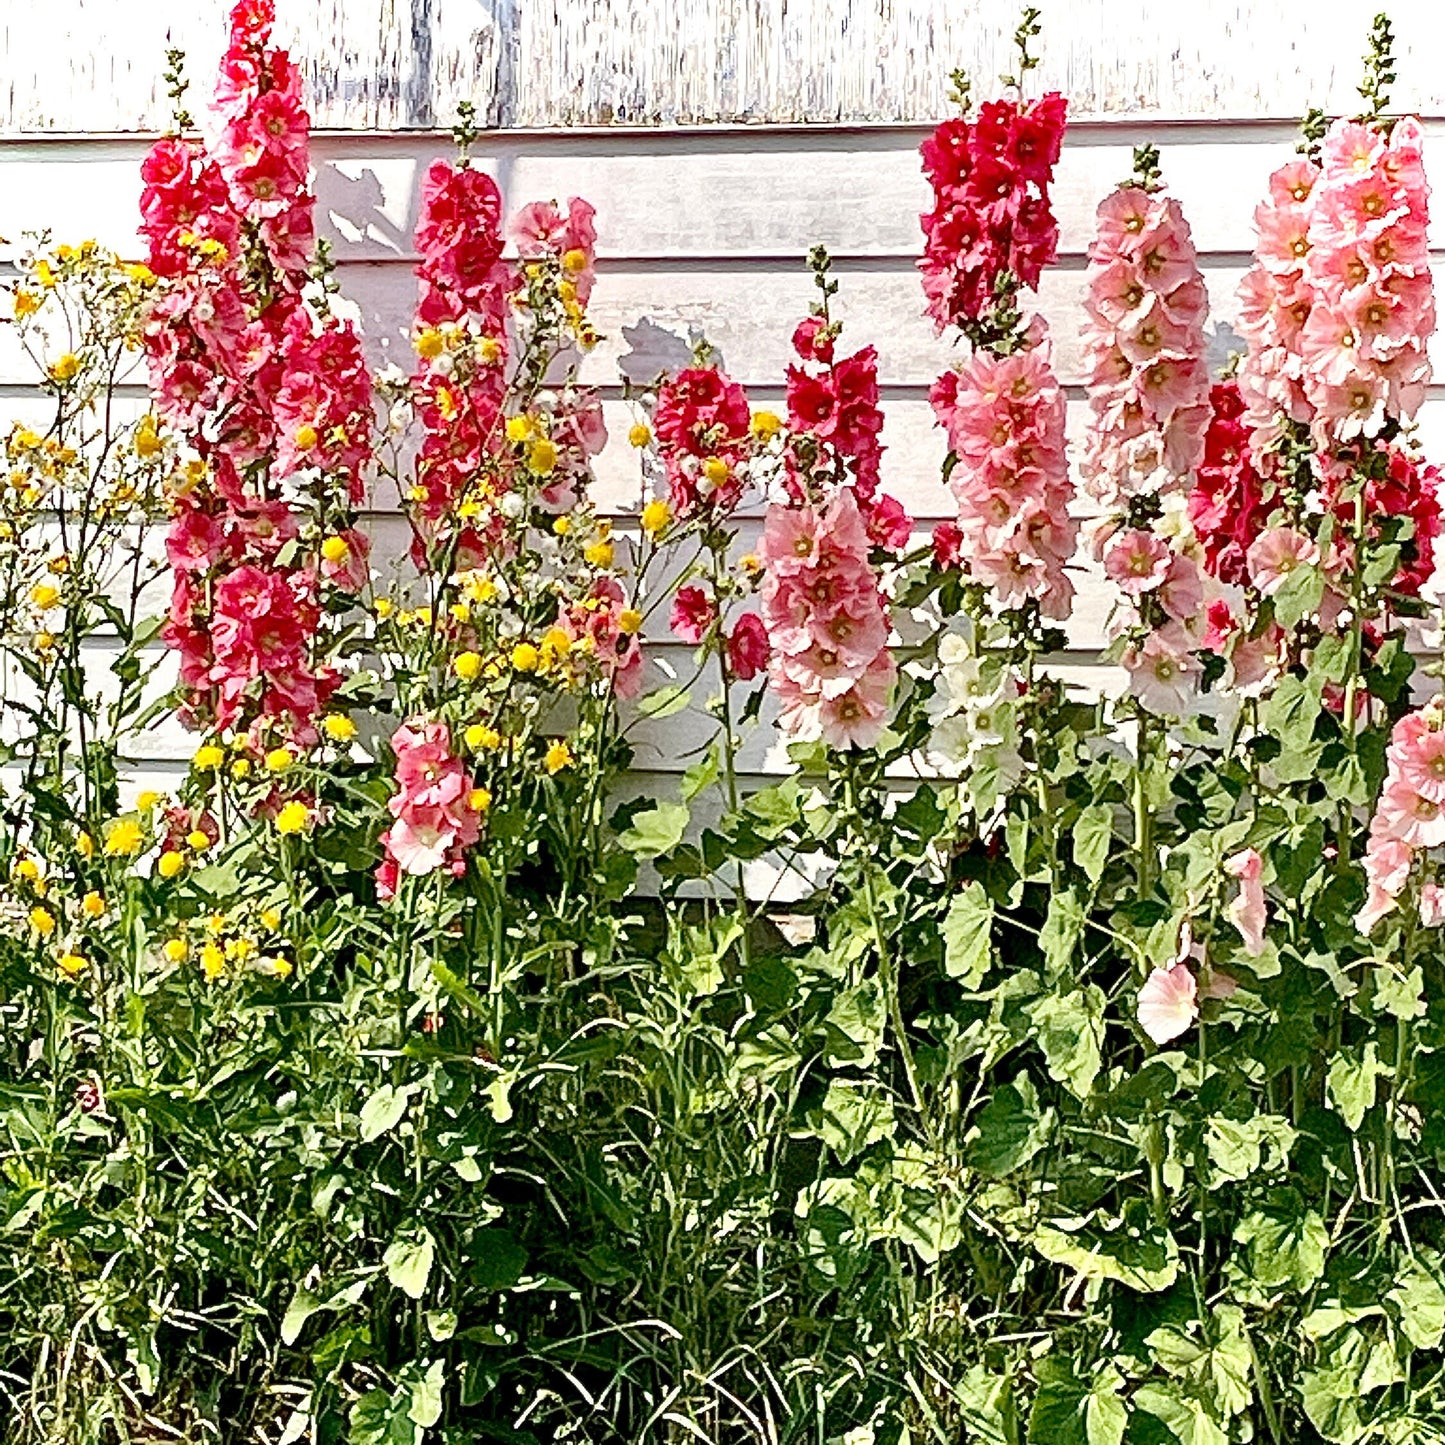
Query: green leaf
(1144, 1258)
(967, 936)
(1186, 1419)
(1010, 1129)
(381, 1419)
(855, 1025)
(303, 1305)
(1059, 937)
(382, 1112)
(424, 1393)
(1093, 833)
(1071, 1411)
(655, 830)
(1399, 993)
(851, 1117)
(1239, 1149)
(408, 1262)
(1290, 713)
(1299, 595)
(1351, 1083)
(1420, 1300)
(986, 1399)
(1286, 1242)
(1069, 1028)
(664, 701)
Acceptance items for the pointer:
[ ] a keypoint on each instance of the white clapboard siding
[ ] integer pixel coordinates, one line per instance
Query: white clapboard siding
(705, 232)
(94, 65)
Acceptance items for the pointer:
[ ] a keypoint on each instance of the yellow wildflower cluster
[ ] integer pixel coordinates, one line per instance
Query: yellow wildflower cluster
(224, 947)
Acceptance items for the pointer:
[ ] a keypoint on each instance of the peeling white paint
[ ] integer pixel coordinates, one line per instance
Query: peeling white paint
(94, 65)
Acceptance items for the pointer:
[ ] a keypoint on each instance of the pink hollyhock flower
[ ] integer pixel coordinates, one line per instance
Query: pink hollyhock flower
(1276, 555)
(434, 816)
(1247, 911)
(1163, 673)
(947, 545)
(1168, 1003)
(1405, 814)
(693, 613)
(1136, 561)
(856, 718)
(748, 649)
(1432, 905)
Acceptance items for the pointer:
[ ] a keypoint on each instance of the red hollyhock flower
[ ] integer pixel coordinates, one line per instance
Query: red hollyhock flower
(692, 614)
(748, 649)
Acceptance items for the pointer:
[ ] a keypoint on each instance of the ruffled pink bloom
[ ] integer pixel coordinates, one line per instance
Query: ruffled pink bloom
(1247, 911)
(693, 613)
(1136, 562)
(1168, 1003)
(434, 819)
(1276, 555)
(1163, 673)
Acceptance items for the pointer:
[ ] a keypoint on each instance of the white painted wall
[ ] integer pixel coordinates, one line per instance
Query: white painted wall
(705, 229)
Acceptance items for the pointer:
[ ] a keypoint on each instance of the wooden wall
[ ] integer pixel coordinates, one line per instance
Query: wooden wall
(705, 229)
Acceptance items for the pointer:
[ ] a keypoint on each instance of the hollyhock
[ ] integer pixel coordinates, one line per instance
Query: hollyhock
(434, 810)
(597, 622)
(693, 614)
(702, 424)
(1168, 1003)
(541, 230)
(1276, 555)
(826, 623)
(1163, 672)
(1247, 911)
(1136, 561)
(459, 244)
(1227, 507)
(748, 650)
(991, 211)
(1432, 905)
(1005, 421)
(1144, 349)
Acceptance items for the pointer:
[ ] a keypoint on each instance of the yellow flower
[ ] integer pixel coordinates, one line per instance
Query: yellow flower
(45, 274)
(44, 641)
(766, 425)
(176, 949)
(629, 621)
(65, 368)
(599, 554)
(208, 756)
(715, 470)
(491, 350)
(271, 918)
(198, 840)
(147, 438)
(277, 967)
(559, 756)
(429, 343)
(479, 587)
(519, 428)
(306, 436)
(525, 657)
(293, 818)
(72, 965)
(562, 525)
(123, 838)
(480, 799)
(279, 759)
(467, 666)
(213, 961)
(460, 612)
(655, 517)
(85, 845)
(542, 456)
(147, 800)
(170, 863)
(574, 260)
(44, 596)
(27, 303)
(216, 923)
(92, 905)
(339, 728)
(42, 920)
(481, 738)
(335, 549)
(557, 640)
(383, 607)
(240, 949)
(28, 869)
(241, 768)
(640, 434)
